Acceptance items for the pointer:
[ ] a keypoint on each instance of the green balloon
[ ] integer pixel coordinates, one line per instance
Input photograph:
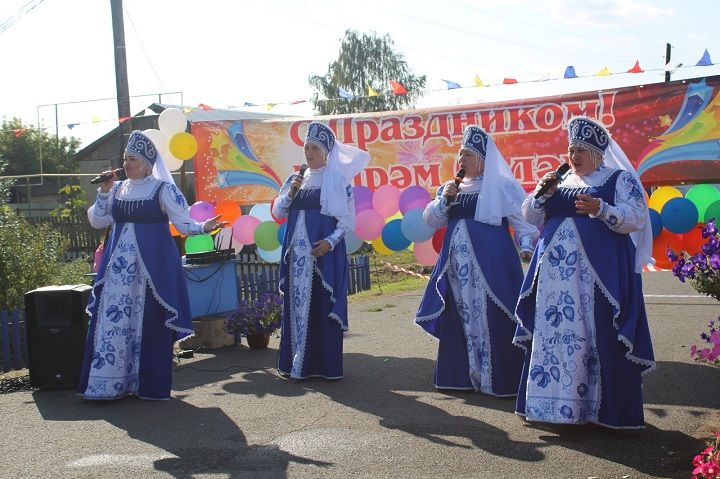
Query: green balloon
(199, 244)
(712, 211)
(266, 236)
(703, 196)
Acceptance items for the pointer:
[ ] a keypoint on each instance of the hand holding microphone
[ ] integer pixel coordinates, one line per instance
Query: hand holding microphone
(109, 175)
(452, 190)
(297, 181)
(551, 180)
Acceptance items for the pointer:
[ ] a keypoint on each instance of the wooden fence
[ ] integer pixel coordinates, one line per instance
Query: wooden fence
(82, 239)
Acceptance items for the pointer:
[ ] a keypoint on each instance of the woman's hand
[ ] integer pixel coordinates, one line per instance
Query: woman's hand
(549, 177)
(450, 192)
(321, 248)
(212, 224)
(295, 186)
(107, 184)
(587, 205)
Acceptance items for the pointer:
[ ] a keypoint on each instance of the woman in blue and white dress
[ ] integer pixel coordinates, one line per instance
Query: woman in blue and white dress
(468, 303)
(139, 304)
(581, 311)
(320, 209)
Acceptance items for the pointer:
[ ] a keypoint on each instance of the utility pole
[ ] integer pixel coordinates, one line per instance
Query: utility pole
(121, 78)
(667, 61)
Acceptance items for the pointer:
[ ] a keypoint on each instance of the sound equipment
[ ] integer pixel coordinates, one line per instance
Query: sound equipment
(55, 329)
(207, 257)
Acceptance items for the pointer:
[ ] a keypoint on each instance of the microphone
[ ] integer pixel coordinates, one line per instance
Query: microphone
(458, 179)
(301, 172)
(560, 172)
(120, 173)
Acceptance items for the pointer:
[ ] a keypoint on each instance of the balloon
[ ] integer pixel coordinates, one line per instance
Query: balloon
(425, 253)
(229, 211)
(272, 256)
(368, 225)
(183, 145)
(277, 220)
(281, 232)
(199, 244)
(414, 227)
(244, 229)
(172, 121)
(413, 197)
(173, 230)
(661, 243)
(437, 239)
(655, 222)
(261, 211)
(393, 236)
(352, 243)
(266, 235)
(380, 247)
(237, 246)
(162, 143)
(712, 211)
(679, 215)
(386, 200)
(363, 198)
(703, 196)
(693, 240)
(202, 211)
(223, 238)
(661, 196)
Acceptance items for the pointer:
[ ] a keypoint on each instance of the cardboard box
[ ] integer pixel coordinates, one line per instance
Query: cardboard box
(209, 333)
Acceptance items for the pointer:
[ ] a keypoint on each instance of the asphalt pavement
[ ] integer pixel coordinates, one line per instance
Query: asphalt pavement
(232, 416)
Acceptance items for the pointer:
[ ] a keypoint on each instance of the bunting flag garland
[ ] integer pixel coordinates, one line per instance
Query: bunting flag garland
(123, 119)
(603, 72)
(636, 68)
(570, 72)
(397, 88)
(451, 85)
(270, 106)
(509, 81)
(345, 94)
(203, 106)
(372, 91)
(70, 126)
(297, 102)
(705, 60)
(247, 103)
(478, 81)
(95, 119)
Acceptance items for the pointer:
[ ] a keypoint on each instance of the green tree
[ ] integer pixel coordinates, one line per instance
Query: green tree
(22, 146)
(366, 61)
(74, 202)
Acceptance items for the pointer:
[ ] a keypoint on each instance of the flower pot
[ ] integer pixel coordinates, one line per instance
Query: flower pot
(258, 341)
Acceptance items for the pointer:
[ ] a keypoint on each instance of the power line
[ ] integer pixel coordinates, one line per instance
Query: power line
(142, 47)
(24, 10)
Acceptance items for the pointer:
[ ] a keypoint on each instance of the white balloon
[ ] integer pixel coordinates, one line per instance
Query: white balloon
(261, 211)
(171, 121)
(272, 256)
(162, 143)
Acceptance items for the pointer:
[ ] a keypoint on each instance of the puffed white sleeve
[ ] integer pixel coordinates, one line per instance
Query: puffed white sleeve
(630, 211)
(346, 223)
(533, 210)
(100, 212)
(281, 206)
(174, 204)
(525, 233)
(436, 212)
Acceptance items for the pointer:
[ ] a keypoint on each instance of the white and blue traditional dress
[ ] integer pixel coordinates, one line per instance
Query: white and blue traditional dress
(314, 289)
(469, 301)
(139, 303)
(581, 312)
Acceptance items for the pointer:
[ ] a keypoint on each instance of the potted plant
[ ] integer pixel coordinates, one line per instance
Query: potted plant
(256, 319)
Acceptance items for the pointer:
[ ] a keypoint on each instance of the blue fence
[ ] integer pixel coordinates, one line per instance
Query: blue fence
(13, 349)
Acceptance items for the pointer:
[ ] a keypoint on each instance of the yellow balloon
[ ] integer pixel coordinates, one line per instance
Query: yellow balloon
(183, 146)
(380, 247)
(661, 196)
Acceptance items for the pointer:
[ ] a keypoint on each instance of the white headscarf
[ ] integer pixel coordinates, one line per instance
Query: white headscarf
(343, 164)
(500, 193)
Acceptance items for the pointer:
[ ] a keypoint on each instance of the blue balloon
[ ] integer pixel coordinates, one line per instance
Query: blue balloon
(281, 232)
(414, 227)
(393, 237)
(655, 222)
(679, 215)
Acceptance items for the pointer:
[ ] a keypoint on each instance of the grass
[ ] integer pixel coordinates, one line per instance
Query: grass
(386, 282)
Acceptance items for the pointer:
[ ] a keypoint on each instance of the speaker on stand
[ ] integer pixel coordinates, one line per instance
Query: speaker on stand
(55, 329)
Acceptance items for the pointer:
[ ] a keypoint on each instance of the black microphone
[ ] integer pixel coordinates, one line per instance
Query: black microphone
(560, 172)
(120, 173)
(301, 172)
(458, 179)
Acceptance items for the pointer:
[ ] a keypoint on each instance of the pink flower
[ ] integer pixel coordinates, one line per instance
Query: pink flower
(710, 469)
(703, 353)
(698, 460)
(715, 337)
(693, 350)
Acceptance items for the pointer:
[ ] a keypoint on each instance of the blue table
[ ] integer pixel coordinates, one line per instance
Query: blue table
(212, 288)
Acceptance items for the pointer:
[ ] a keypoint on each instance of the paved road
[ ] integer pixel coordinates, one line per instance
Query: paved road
(231, 415)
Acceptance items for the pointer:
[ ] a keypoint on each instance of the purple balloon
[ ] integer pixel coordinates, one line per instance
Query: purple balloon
(202, 211)
(363, 198)
(414, 197)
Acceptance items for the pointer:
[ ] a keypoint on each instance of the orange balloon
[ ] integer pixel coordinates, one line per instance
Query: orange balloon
(173, 230)
(661, 243)
(229, 211)
(693, 240)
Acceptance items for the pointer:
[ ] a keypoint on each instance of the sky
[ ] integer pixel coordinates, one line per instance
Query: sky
(58, 55)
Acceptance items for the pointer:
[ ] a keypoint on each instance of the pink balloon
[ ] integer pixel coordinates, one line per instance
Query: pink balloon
(413, 197)
(244, 229)
(202, 211)
(386, 200)
(425, 254)
(368, 225)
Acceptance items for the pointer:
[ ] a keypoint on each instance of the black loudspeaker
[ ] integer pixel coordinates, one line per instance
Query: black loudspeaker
(55, 328)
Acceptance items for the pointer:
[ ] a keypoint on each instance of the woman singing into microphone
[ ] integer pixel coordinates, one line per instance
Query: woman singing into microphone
(468, 303)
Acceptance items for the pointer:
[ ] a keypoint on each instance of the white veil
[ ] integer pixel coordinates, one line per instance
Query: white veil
(500, 194)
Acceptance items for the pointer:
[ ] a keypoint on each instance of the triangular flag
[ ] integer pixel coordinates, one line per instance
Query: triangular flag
(70, 126)
(95, 119)
(478, 81)
(705, 60)
(203, 106)
(247, 103)
(123, 119)
(451, 85)
(345, 94)
(570, 72)
(187, 109)
(19, 132)
(605, 71)
(270, 106)
(509, 81)
(372, 91)
(636, 68)
(397, 88)
(297, 102)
